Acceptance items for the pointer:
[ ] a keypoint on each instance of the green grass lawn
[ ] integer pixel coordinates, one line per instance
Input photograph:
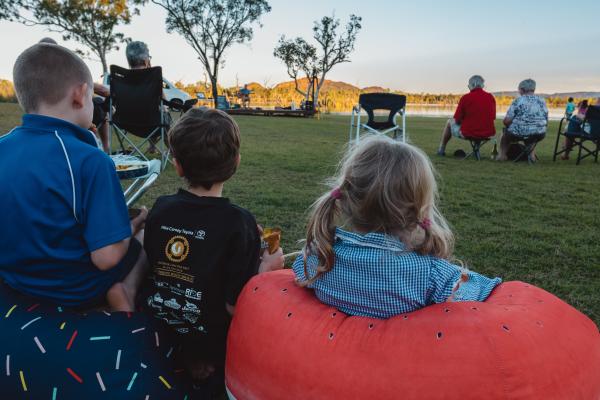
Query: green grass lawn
(533, 223)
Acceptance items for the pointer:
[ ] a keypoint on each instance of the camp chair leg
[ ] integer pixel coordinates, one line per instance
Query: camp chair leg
(121, 145)
(476, 146)
(351, 125)
(559, 134)
(476, 150)
(404, 126)
(358, 126)
(579, 158)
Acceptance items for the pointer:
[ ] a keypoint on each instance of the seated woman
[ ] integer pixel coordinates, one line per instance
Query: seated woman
(575, 125)
(138, 57)
(527, 116)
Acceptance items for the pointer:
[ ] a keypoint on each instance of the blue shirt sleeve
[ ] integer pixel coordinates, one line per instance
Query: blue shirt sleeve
(104, 212)
(298, 267)
(444, 277)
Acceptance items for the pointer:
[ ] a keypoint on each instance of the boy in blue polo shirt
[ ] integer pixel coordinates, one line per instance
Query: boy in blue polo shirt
(65, 229)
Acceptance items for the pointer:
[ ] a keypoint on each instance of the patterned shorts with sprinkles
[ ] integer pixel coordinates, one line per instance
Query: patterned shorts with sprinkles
(49, 353)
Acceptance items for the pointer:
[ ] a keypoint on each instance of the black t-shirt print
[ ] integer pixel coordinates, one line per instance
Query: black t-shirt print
(202, 251)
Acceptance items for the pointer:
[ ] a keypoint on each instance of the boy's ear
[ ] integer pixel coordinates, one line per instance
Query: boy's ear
(239, 158)
(178, 168)
(79, 95)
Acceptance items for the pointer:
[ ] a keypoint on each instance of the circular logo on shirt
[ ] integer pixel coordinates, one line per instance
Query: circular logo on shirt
(177, 249)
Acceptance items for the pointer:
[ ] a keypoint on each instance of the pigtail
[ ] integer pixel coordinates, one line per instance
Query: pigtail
(320, 235)
(438, 239)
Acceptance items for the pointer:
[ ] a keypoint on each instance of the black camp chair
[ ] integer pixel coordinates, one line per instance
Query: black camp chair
(136, 107)
(588, 131)
(527, 146)
(393, 103)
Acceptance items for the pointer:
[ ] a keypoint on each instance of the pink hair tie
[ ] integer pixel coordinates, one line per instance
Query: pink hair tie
(336, 194)
(425, 224)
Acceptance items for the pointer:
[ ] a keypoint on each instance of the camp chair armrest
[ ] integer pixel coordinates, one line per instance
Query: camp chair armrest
(178, 106)
(173, 104)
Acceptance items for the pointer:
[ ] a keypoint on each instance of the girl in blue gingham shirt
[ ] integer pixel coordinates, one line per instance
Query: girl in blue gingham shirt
(377, 245)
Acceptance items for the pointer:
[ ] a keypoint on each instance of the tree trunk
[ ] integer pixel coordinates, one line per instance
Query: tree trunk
(305, 94)
(214, 89)
(316, 99)
(104, 65)
(309, 87)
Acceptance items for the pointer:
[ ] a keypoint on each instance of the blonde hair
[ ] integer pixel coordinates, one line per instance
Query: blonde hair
(381, 186)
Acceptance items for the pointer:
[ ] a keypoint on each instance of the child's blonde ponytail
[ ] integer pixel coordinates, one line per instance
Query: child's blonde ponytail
(320, 235)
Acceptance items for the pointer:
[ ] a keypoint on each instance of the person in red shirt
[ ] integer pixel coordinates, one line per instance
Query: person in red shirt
(474, 116)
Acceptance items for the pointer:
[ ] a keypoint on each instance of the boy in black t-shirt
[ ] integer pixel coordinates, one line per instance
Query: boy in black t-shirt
(202, 249)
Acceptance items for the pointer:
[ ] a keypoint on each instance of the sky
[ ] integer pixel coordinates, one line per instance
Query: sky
(416, 46)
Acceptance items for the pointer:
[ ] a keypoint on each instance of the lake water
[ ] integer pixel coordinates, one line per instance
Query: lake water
(432, 110)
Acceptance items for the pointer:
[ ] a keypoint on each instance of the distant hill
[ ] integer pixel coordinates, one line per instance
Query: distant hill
(327, 86)
(563, 95)
(577, 95)
(374, 89)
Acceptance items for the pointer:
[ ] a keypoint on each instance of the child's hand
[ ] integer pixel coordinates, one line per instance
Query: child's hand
(271, 262)
(138, 222)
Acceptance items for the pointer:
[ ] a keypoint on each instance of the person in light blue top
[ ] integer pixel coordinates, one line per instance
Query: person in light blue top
(376, 245)
(570, 108)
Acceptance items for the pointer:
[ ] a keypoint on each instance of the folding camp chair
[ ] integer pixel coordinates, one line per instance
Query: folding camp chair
(142, 174)
(476, 145)
(394, 103)
(587, 131)
(136, 107)
(528, 146)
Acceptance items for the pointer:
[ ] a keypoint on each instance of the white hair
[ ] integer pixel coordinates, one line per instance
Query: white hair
(137, 53)
(476, 81)
(527, 86)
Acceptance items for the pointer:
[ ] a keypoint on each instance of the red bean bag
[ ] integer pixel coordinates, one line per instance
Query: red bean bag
(522, 343)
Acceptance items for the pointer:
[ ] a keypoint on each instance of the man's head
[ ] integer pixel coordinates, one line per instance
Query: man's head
(138, 55)
(206, 147)
(527, 86)
(47, 76)
(570, 100)
(476, 82)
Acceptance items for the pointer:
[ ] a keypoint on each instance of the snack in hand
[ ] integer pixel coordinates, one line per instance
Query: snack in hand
(271, 237)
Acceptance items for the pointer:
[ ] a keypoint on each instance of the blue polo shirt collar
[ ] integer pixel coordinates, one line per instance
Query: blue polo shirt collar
(50, 124)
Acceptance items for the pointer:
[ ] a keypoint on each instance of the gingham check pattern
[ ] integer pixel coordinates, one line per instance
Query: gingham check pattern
(374, 276)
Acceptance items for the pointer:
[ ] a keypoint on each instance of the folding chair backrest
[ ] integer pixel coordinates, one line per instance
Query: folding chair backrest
(381, 101)
(592, 117)
(137, 97)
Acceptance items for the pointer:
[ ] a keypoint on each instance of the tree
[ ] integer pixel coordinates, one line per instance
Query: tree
(300, 56)
(212, 26)
(89, 22)
(7, 9)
